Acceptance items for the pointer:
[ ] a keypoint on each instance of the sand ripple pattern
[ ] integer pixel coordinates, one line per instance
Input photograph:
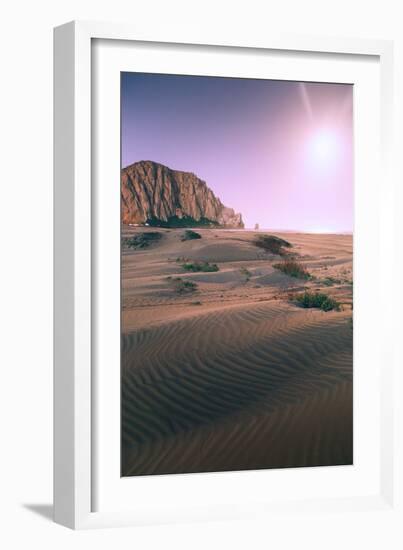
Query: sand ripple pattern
(263, 386)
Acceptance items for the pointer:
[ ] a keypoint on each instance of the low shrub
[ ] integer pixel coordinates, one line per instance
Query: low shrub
(204, 267)
(182, 286)
(293, 269)
(142, 240)
(317, 300)
(272, 244)
(190, 235)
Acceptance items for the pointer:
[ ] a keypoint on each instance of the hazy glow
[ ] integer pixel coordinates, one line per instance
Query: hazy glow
(324, 147)
(324, 150)
(281, 153)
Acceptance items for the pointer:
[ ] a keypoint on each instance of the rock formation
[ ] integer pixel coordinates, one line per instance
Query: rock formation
(153, 193)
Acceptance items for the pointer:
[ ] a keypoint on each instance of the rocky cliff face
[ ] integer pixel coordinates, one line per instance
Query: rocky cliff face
(152, 192)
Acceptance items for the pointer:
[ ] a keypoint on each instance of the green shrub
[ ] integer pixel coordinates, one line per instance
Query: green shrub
(293, 269)
(317, 300)
(190, 235)
(196, 267)
(182, 286)
(142, 240)
(272, 244)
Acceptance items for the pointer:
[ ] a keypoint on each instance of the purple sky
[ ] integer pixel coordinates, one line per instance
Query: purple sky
(279, 152)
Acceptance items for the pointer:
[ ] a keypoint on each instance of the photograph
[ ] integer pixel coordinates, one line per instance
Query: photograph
(237, 215)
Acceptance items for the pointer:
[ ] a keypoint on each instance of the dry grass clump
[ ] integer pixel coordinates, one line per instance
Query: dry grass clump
(182, 286)
(293, 268)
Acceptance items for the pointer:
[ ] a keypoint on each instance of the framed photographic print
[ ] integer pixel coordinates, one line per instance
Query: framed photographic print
(237, 332)
(222, 208)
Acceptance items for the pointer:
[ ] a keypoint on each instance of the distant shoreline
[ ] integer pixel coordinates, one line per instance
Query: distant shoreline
(274, 230)
(260, 230)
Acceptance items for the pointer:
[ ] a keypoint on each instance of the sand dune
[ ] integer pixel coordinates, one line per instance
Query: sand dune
(233, 375)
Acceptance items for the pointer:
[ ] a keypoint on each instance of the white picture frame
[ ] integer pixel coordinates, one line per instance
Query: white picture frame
(78, 422)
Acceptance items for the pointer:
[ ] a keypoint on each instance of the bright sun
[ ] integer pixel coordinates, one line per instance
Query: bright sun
(324, 147)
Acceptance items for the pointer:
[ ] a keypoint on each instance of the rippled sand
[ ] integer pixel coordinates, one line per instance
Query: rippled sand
(233, 376)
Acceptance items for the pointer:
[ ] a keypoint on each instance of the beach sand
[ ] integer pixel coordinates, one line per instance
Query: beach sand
(232, 375)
